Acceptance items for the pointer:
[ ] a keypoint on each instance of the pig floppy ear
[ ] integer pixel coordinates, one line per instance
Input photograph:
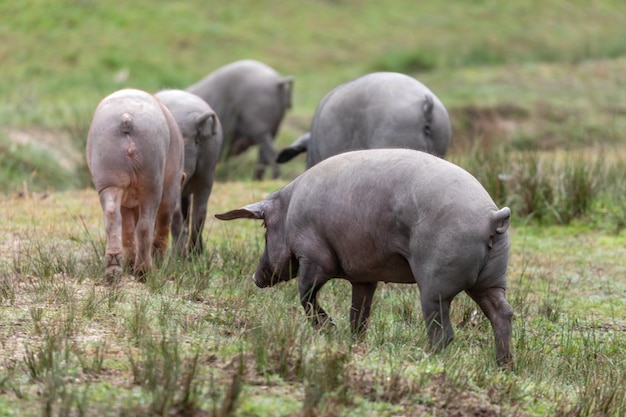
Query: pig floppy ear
(252, 211)
(286, 86)
(207, 123)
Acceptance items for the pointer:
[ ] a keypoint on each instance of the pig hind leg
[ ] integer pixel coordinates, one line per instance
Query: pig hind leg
(179, 226)
(435, 303)
(144, 234)
(129, 220)
(362, 295)
(436, 311)
(162, 229)
(200, 201)
(267, 156)
(500, 314)
(111, 199)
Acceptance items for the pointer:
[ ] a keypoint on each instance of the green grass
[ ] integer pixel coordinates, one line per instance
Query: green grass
(558, 62)
(27, 168)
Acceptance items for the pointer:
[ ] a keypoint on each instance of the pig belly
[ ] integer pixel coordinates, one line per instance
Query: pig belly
(395, 270)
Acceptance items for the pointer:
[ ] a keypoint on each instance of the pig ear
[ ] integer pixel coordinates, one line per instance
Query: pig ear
(252, 211)
(286, 86)
(207, 123)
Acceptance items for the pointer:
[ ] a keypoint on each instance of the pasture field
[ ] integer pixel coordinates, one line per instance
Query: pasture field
(532, 74)
(200, 339)
(536, 92)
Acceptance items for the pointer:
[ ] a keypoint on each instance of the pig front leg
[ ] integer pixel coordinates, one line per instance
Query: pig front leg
(500, 314)
(312, 279)
(362, 295)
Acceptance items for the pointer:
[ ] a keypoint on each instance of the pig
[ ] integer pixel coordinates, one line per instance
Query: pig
(377, 110)
(390, 215)
(135, 156)
(202, 134)
(250, 99)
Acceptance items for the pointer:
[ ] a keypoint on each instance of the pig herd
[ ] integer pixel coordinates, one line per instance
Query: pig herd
(377, 201)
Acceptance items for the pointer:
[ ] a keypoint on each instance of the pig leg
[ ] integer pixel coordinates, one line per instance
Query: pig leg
(197, 221)
(436, 312)
(362, 295)
(162, 230)
(311, 281)
(435, 298)
(267, 157)
(500, 314)
(144, 233)
(129, 220)
(179, 226)
(111, 200)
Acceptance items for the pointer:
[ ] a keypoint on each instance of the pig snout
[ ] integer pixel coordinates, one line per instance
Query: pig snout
(260, 284)
(264, 277)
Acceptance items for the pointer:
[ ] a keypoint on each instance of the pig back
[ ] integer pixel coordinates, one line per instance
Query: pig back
(229, 89)
(128, 140)
(379, 110)
(246, 98)
(388, 196)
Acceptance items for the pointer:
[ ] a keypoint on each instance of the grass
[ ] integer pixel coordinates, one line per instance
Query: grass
(553, 187)
(201, 337)
(563, 78)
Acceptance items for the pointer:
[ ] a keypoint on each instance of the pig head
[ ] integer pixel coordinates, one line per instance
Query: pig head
(390, 215)
(135, 156)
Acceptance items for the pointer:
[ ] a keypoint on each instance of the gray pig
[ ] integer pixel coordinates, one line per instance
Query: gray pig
(378, 110)
(202, 134)
(135, 156)
(390, 215)
(250, 99)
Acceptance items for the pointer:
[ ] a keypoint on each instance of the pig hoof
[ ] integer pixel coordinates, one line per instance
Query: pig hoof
(113, 267)
(505, 361)
(112, 274)
(113, 260)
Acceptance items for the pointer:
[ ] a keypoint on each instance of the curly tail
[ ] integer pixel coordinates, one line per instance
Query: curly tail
(501, 219)
(296, 148)
(126, 125)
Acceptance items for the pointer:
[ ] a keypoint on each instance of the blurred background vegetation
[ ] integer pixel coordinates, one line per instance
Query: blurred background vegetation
(530, 76)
